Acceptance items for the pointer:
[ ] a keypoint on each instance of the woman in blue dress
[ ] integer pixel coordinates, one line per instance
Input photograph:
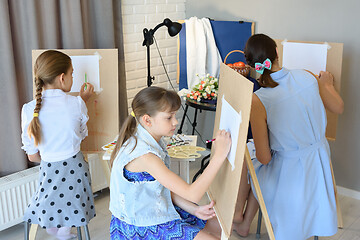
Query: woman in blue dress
(147, 200)
(292, 164)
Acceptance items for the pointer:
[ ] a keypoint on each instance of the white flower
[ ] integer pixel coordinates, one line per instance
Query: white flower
(208, 89)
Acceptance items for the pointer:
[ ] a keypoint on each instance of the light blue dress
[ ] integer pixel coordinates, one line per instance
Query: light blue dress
(297, 184)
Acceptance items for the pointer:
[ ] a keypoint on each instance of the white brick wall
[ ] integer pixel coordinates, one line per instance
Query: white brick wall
(140, 14)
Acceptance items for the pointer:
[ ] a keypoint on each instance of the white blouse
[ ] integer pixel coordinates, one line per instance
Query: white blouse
(63, 121)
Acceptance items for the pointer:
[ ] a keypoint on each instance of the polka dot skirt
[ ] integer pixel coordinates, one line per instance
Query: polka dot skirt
(64, 196)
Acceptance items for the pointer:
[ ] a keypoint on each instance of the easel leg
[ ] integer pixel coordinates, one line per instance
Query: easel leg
(338, 210)
(223, 236)
(33, 230)
(259, 195)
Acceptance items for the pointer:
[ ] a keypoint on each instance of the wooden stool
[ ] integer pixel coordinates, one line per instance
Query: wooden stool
(31, 233)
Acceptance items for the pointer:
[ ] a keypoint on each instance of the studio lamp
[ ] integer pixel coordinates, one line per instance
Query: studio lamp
(173, 29)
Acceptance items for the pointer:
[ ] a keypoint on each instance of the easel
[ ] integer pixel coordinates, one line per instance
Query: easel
(99, 109)
(260, 199)
(237, 91)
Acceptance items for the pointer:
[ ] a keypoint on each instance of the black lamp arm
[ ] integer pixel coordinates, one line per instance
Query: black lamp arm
(173, 29)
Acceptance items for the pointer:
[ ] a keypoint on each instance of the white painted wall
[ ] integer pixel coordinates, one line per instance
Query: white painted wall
(140, 14)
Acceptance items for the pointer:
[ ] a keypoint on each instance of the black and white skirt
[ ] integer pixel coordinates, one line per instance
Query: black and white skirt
(64, 197)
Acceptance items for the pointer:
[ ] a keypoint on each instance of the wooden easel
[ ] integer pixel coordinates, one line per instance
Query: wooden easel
(260, 199)
(237, 91)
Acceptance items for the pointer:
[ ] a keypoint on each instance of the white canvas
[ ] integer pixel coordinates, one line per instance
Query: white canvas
(307, 56)
(89, 65)
(230, 121)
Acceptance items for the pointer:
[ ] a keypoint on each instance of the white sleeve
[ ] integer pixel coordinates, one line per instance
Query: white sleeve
(84, 118)
(28, 144)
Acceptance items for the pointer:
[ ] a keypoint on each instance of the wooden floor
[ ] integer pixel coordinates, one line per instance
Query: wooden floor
(99, 226)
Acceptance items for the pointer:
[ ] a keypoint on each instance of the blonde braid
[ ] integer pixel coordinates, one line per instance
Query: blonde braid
(39, 85)
(34, 129)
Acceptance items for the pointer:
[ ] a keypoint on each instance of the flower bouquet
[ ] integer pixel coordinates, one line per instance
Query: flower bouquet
(206, 91)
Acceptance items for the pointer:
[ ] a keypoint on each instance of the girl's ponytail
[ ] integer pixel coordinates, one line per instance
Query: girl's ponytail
(34, 129)
(258, 49)
(127, 131)
(265, 80)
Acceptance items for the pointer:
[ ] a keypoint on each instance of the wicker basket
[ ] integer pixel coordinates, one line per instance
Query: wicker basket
(242, 70)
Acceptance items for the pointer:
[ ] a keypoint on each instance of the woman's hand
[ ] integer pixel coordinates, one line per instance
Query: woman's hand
(205, 212)
(85, 94)
(330, 97)
(326, 78)
(222, 144)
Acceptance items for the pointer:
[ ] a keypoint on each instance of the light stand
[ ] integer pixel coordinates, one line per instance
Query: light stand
(173, 29)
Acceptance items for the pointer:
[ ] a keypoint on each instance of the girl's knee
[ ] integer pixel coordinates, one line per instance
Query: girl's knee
(203, 235)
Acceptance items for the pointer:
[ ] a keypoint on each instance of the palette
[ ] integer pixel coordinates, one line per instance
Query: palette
(178, 146)
(185, 151)
(177, 140)
(109, 147)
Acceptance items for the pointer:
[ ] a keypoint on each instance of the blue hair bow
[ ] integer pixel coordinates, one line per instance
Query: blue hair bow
(259, 67)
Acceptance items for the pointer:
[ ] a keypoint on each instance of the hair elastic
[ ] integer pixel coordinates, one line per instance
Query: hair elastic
(36, 114)
(132, 113)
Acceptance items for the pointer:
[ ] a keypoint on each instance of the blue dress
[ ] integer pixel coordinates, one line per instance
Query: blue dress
(297, 183)
(180, 229)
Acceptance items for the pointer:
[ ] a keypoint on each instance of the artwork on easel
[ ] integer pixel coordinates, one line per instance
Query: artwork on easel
(86, 69)
(333, 52)
(309, 56)
(230, 121)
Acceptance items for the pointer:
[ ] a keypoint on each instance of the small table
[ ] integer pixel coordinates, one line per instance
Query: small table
(181, 166)
(198, 106)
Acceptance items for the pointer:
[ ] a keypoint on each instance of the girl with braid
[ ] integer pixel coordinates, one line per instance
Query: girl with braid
(53, 126)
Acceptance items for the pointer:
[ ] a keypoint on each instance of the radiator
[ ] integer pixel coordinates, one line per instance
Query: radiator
(15, 194)
(98, 179)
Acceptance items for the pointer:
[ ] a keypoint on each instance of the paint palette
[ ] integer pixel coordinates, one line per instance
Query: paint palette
(109, 147)
(177, 140)
(185, 151)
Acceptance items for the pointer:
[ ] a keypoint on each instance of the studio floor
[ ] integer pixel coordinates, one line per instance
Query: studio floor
(99, 226)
